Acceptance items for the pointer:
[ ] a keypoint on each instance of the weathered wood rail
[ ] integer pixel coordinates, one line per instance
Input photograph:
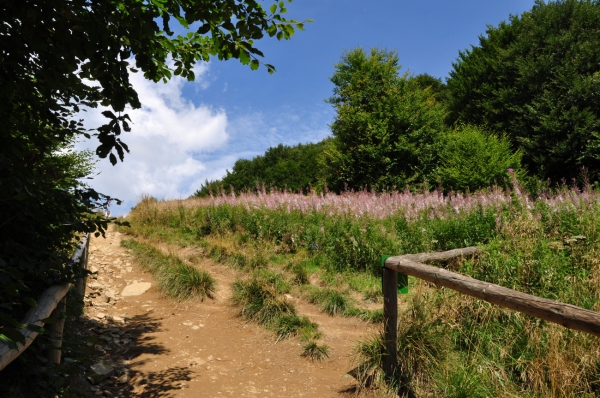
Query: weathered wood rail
(567, 315)
(52, 303)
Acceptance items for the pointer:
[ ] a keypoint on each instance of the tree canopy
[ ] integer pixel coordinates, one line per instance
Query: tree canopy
(58, 56)
(294, 168)
(536, 78)
(386, 128)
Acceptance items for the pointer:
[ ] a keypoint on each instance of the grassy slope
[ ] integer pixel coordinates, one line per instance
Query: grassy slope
(449, 344)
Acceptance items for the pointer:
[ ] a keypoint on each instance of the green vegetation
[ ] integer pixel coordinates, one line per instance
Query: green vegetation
(471, 158)
(292, 168)
(535, 78)
(58, 57)
(176, 279)
(314, 351)
(385, 133)
(327, 249)
(259, 300)
(332, 302)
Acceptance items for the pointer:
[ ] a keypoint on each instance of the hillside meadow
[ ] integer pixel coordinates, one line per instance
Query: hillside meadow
(327, 249)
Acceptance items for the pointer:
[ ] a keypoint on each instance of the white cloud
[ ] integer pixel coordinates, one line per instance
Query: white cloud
(166, 133)
(176, 145)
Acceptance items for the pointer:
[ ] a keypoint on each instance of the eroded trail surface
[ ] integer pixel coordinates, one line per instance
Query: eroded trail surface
(150, 346)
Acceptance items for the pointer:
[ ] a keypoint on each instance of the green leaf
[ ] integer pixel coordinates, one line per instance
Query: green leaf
(109, 114)
(10, 320)
(203, 28)
(244, 57)
(254, 64)
(30, 301)
(11, 336)
(273, 8)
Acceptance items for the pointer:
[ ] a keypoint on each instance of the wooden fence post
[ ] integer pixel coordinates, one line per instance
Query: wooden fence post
(81, 281)
(55, 332)
(390, 319)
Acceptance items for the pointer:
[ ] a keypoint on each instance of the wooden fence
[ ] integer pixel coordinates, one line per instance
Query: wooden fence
(52, 303)
(567, 315)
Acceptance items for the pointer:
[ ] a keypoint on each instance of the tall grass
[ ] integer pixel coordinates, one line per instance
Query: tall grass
(175, 278)
(259, 299)
(449, 344)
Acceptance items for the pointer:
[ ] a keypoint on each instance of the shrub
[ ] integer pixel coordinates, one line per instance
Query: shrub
(259, 302)
(472, 158)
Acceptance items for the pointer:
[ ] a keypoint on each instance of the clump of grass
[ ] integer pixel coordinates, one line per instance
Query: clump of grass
(276, 280)
(183, 281)
(176, 279)
(332, 302)
(258, 299)
(289, 325)
(314, 351)
(259, 302)
(371, 316)
(257, 259)
(368, 358)
(461, 382)
(301, 276)
(373, 295)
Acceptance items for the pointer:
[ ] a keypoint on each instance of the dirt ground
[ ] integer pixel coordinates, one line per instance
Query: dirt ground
(159, 348)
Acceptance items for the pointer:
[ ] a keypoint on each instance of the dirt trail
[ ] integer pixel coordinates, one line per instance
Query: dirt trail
(159, 348)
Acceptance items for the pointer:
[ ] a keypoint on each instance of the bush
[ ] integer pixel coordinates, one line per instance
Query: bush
(472, 158)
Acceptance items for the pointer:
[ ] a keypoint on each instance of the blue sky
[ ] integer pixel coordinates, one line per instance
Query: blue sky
(188, 132)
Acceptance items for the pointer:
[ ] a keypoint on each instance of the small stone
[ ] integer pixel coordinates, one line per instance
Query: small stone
(101, 371)
(117, 319)
(109, 295)
(195, 327)
(136, 289)
(124, 378)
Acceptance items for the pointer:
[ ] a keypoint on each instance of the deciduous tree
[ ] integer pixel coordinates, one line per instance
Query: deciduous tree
(57, 56)
(386, 129)
(536, 78)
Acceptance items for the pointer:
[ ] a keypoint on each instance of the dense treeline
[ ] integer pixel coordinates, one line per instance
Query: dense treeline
(293, 168)
(526, 100)
(537, 79)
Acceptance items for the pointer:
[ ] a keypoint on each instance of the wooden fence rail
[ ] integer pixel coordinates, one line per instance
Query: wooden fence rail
(51, 303)
(567, 315)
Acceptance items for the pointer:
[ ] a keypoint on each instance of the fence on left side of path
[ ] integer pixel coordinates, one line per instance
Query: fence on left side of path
(52, 303)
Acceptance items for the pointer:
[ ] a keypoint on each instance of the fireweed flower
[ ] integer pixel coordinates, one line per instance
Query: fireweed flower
(510, 170)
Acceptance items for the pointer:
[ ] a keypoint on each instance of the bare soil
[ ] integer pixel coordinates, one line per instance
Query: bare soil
(161, 348)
